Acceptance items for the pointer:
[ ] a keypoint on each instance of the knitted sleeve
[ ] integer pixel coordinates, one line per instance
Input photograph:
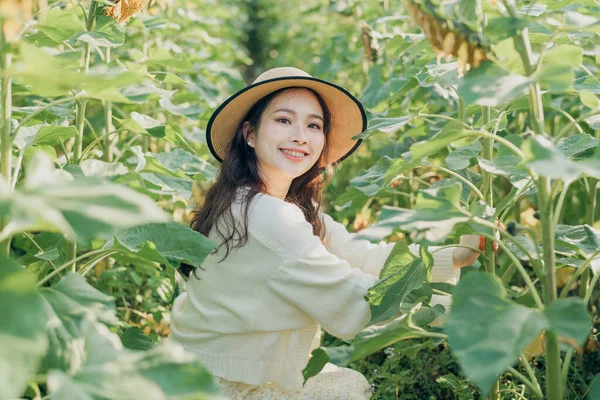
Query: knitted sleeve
(370, 257)
(310, 277)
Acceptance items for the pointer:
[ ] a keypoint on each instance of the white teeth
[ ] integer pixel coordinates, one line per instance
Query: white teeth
(293, 153)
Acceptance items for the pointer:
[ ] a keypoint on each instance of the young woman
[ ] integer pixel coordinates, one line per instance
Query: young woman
(283, 268)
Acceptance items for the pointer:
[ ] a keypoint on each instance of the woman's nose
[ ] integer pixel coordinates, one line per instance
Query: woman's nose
(300, 136)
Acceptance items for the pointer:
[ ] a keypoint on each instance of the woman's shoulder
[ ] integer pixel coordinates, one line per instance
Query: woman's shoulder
(279, 224)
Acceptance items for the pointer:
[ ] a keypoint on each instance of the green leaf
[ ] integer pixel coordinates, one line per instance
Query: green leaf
(578, 238)
(399, 258)
(469, 12)
(461, 159)
(535, 10)
(489, 85)
(84, 208)
(505, 165)
(170, 185)
(452, 132)
(387, 296)
(435, 215)
(502, 28)
(94, 167)
(315, 364)
(486, 331)
(134, 339)
(386, 125)
(558, 66)
(578, 146)
(59, 25)
(170, 242)
(371, 181)
(109, 371)
(73, 304)
(190, 164)
(594, 388)
(544, 158)
(22, 338)
(54, 135)
(376, 338)
(65, 75)
(192, 111)
(589, 100)
(107, 33)
(569, 319)
(527, 243)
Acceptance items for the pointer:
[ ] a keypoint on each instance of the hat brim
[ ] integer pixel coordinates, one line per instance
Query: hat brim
(348, 117)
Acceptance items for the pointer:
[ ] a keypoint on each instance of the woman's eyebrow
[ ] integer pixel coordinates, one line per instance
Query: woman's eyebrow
(294, 113)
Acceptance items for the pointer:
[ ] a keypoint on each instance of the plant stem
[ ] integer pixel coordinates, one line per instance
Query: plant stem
(462, 179)
(566, 365)
(487, 188)
(73, 261)
(559, 205)
(578, 273)
(553, 377)
(512, 257)
(526, 381)
(107, 108)
(80, 120)
(553, 381)
(5, 134)
(530, 372)
(589, 219)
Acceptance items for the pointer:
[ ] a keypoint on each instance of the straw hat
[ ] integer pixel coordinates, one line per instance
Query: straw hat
(348, 117)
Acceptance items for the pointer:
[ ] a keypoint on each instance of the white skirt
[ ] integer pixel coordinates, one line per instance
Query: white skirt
(332, 383)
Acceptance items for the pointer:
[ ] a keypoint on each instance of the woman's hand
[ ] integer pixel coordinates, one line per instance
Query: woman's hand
(463, 257)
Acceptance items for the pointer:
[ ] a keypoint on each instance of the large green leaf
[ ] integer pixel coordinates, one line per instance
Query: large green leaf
(190, 164)
(22, 338)
(376, 338)
(489, 85)
(111, 372)
(594, 389)
(59, 25)
(558, 66)
(84, 208)
(401, 277)
(432, 220)
(72, 304)
(315, 364)
(54, 134)
(134, 339)
(371, 181)
(577, 238)
(65, 75)
(107, 33)
(165, 243)
(546, 159)
(386, 125)
(452, 132)
(487, 331)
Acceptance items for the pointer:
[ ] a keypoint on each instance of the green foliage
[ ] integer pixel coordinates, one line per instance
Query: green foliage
(103, 160)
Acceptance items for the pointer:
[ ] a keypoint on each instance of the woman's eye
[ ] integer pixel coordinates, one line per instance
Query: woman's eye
(283, 119)
(315, 126)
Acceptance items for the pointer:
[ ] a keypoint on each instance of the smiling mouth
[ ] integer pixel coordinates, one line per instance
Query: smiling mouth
(295, 154)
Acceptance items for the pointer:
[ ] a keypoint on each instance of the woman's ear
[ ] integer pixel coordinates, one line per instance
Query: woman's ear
(248, 132)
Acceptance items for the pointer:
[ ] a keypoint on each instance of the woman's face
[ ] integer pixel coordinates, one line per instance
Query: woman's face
(290, 136)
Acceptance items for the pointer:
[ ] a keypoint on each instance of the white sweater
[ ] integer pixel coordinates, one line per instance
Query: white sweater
(256, 316)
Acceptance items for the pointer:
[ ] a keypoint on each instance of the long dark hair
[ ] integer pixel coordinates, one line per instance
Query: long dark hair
(240, 168)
